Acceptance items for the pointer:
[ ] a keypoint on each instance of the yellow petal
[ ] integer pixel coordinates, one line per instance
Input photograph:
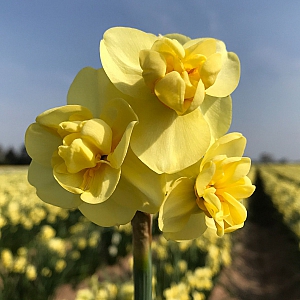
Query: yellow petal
(165, 142)
(41, 143)
(238, 212)
(154, 67)
(97, 132)
(103, 182)
(234, 169)
(190, 89)
(210, 70)
(116, 158)
(121, 118)
(197, 99)
(77, 155)
(203, 46)
(210, 223)
(92, 88)
(232, 228)
(169, 46)
(128, 195)
(204, 178)
(194, 61)
(228, 77)
(212, 202)
(143, 179)
(68, 127)
(242, 189)
(107, 214)
(48, 189)
(230, 145)
(72, 182)
(119, 52)
(53, 117)
(182, 39)
(218, 114)
(179, 204)
(193, 229)
(170, 90)
(190, 172)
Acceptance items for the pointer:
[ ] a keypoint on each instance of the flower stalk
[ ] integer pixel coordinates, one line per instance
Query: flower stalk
(141, 240)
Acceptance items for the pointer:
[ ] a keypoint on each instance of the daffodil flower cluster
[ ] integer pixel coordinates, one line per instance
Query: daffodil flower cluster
(147, 132)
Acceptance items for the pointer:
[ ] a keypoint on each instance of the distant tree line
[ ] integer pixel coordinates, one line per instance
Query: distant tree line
(14, 157)
(267, 157)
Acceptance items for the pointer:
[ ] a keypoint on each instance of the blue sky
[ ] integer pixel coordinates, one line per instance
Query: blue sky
(43, 44)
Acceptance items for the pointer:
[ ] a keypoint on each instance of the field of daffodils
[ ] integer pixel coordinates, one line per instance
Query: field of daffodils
(43, 247)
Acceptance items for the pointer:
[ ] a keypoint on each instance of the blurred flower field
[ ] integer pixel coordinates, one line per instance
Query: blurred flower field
(43, 247)
(282, 184)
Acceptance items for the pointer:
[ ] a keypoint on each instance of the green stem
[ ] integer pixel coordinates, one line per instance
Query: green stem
(141, 241)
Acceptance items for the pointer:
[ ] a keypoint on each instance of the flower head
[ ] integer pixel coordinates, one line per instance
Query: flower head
(157, 113)
(178, 87)
(77, 151)
(223, 182)
(178, 70)
(211, 197)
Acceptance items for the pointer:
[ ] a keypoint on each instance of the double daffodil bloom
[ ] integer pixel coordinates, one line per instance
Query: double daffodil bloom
(178, 70)
(212, 197)
(181, 74)
(77, 152)
(88, 159)
(178, 87)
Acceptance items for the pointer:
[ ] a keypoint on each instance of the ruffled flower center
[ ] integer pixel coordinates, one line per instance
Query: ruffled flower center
(218, 189)
(169, 69)
(84, 150)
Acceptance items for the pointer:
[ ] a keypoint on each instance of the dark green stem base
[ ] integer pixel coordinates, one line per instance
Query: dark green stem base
(142, 265)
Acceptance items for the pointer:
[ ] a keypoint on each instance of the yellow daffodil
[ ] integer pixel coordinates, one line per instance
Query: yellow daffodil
(211, 197)
(77, 151)
(178, 87)
(178, 70)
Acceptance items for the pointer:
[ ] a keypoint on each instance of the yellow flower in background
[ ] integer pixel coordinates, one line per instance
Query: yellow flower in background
(46, 272)
(178, 87)
(31, 273)
(47, 232)
(85, 294)
(58, 246)
(60, 265)
(211, 197)
(7, 259)
(20, 264)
